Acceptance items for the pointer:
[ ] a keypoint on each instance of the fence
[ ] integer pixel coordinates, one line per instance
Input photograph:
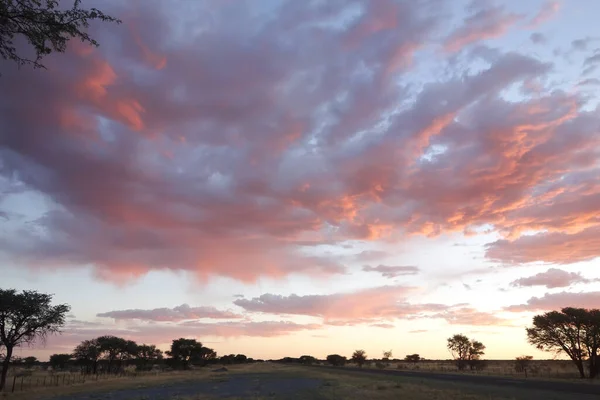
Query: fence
(30, 382)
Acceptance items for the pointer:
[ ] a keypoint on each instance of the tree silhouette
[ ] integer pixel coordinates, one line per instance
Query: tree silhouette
(574, 331)
(387, 355)
(59, 361)
(413, 358)
(307, 360)
(87, 353)
(359, 357)
(46, 26)
(112, 348)
(336, 360)
(522, 364)
(24, 318)
(186, 350)
(465, 351)
(147, 354)
(30, 361)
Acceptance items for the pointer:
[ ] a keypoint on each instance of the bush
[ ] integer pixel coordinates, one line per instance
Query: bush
(381, 365)
(336, 360)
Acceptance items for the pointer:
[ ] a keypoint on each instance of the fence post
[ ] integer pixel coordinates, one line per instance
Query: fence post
(44, 384)
(14, 381)
(22, 378)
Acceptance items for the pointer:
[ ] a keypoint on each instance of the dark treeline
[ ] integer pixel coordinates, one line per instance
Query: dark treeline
(113, 355)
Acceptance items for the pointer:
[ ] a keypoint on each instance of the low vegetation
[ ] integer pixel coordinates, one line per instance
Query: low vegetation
(29, 316)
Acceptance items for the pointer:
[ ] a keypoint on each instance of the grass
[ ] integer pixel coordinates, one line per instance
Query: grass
(332, 384)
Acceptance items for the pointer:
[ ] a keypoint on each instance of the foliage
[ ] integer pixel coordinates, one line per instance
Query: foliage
(308, 360)
(523, 363)
(465, 351)
(185, 351)
(87, 353)
(387, 355)
(46, 26)
(241, 358)
(359, 357)
(59, 361)
(114, 348)
(30, 361)
(336, 360)
(148, 354)
(24, 318)
(414, 358)
(574, 331)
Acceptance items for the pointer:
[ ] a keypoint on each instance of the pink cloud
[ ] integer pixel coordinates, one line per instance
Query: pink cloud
(374, 306)
(175, 314)
(470, 316)
(363, 304)
(388, 271)
(556, 301)
(555, 247)
(553, 278)
(548, 10)
(247, 145)
(481, 24)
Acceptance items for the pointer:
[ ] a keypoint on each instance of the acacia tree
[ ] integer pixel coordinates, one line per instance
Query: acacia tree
(573, 331)
(186, 350)
(465, 351)
(387, 355)
(336, 360)
(24, 318)
(413, 358)
(46, 26)
(59, 361)
(359, 357)
(523, 363)
(147, 354)
(111, 348)
(87, 353)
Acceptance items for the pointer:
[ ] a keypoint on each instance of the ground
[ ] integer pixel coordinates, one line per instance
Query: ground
(277, 381)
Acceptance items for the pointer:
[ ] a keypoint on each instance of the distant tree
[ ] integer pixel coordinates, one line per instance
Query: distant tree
(205, 356)
(87, 353)
(185, 351)
(465, 351)
(26, 317)
(387, 355)
(112, 347)
(227, 359)
(46, 26)
(307, 360)
(240, 359)
(475, 352)
(30, 361)
(148, 354)
(359, 357)
(413, 358)
(574, 331)
(59, 361)
(523, 363)
(336, 360)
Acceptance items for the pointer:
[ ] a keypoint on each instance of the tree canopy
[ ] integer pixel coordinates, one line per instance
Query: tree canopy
(359, 357)
(336, 360)
(465, 351)
(46, 26)
(189, 350)
(573, 331)
(24, 318)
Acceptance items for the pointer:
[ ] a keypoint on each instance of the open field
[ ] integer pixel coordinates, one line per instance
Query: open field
(276, 381)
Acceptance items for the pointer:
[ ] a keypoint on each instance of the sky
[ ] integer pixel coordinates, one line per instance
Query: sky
(279, 178)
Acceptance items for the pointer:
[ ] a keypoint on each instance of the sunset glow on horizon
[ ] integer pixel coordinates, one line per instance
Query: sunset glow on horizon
(278, 178)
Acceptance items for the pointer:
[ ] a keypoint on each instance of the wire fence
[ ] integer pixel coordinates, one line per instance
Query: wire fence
(22, 383)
